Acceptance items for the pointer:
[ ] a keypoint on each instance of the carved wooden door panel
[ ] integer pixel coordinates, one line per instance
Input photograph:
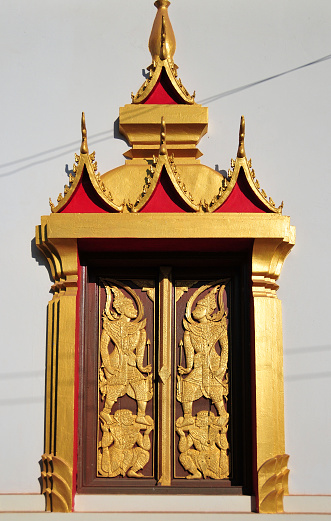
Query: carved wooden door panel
(160, 403)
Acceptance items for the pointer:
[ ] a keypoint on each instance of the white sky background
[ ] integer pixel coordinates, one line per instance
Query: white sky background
(59, 58)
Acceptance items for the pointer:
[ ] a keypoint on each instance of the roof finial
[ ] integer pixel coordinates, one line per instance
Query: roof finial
(241, 148)
(84, 147)
(163, 146)
(162, 42)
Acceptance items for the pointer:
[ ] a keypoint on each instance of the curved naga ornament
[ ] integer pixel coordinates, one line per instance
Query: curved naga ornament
(124, 449)
(203, 443)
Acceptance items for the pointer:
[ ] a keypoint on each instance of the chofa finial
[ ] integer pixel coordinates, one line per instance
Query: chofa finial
(241, 148)
(163, 146)
(162, 42)
(84, 147)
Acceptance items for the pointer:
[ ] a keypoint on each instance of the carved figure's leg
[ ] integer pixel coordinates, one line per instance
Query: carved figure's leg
(141, 458)
(186, 460)
(187, 409)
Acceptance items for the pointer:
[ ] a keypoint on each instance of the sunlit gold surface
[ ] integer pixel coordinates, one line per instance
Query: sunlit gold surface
(122, 372)
(162, 39)
(273, 484)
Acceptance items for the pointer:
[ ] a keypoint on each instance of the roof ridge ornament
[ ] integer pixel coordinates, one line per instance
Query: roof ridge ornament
(163, 146)
(241, 147)
(83, 147)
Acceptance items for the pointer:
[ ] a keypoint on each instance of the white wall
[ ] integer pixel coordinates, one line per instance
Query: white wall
(59, 58)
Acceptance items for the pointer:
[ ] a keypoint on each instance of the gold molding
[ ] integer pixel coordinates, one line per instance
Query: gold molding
(273, 484)
(57, 484)
(165, 292)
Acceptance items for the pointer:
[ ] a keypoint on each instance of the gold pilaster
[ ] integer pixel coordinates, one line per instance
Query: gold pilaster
(60, 376)
(267, 260)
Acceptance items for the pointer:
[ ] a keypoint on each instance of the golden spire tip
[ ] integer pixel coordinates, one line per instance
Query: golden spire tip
(83, 147)
(162, 42)
(241, 148)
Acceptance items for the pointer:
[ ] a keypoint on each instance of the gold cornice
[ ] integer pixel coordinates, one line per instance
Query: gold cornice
(87, 161)
(179, 225)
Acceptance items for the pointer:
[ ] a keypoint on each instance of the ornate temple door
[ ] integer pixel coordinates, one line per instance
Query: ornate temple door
(164, 386)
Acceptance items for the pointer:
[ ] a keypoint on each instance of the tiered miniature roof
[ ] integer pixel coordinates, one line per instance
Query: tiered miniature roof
(162, 171)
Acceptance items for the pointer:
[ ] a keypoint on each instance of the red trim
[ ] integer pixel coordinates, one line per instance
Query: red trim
(242, 199)
(165, 198)
(164, 245)
(163, 92)
(76, 391)
(85, 199)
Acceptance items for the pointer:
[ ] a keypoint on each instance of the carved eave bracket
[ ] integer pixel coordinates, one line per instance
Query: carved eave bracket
(85, 164)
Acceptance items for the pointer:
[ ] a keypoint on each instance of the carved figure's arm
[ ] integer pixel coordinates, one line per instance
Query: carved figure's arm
(107, 437)
(224, 343)
(185, 442)
(140, 352)
(104, 342)
(189, 354)
(144, 440)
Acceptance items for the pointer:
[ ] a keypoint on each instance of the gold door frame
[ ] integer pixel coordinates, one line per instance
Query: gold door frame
(58, 237)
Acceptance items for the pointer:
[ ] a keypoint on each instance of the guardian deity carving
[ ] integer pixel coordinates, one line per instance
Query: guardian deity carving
(207, 376)
(123, 373)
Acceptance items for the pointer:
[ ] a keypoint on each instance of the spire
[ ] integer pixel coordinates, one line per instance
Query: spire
(162, 42)
(241, 148)
(84, 147)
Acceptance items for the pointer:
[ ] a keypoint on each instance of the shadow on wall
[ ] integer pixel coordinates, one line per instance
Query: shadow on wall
(40, 258)
(307, 351)
(61, 150)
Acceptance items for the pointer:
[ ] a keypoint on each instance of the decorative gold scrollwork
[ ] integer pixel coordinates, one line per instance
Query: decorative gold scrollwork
(122, 373)
(207, 375)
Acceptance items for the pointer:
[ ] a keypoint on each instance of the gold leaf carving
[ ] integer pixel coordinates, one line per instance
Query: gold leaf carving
(124, 450)
(203, 439)
(182, 287)
(146, 285)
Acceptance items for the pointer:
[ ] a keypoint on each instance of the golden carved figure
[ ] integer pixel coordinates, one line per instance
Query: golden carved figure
(204, 448)
(122, 369)
(206, 370)
(124, 450)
